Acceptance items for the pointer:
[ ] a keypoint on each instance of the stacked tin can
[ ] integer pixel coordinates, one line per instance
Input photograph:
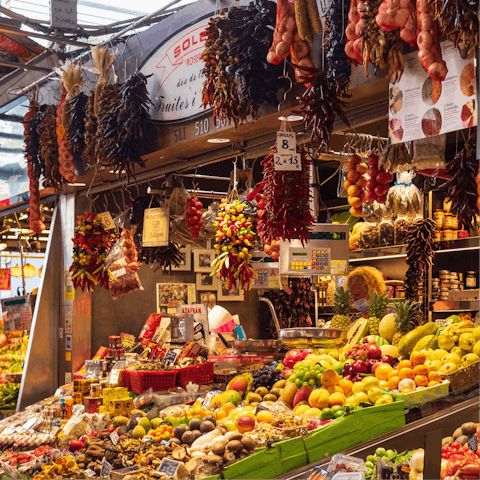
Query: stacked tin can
(447, 281)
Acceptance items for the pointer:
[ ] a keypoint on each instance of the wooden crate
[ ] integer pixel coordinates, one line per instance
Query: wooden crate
(463, 379)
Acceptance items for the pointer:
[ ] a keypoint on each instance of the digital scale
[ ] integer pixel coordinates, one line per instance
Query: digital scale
(268, 272)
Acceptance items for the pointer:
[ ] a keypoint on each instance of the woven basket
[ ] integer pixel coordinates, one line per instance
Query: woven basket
(463, 379)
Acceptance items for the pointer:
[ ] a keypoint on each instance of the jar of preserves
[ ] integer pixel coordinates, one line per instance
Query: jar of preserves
(471, 280)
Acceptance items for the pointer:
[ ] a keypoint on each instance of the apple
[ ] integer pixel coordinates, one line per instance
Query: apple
(372, 159)
(347, 377)
(379, 190)
(359, 367)
(382, 178)
(245, 424)
(373, 351)
(357, 378)
(347, 369)
(371, 184)
(367, 340)
(387, 359)
(373, 171)
(3, 340)
(370, 363)
(75, 445)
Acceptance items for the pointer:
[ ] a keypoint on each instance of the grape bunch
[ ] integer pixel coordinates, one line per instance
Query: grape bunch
(305, 374)
(265, 377)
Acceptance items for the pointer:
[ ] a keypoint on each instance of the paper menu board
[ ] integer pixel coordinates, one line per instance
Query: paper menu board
(420, 107)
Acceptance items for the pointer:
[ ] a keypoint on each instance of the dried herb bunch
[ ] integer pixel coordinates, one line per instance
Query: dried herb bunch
(238, 77)
(89, 154)
(77, 121)
(292, 305)
(49, 149)
(420, 251)
(461, 189)
(165, 257)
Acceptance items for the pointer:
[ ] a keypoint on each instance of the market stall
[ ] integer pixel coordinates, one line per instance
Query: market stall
(260, 260)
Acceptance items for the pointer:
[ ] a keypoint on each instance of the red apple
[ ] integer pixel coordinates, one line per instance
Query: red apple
(245, 424)
(347, 377)
(370, 363)
(387, 359)
(359, 367)
(373, 171)
(371, 184)
(379, 190)
(357, 378)
(372, 159)
(382, 178)
(373, 351)
(3, 340)
(75, 445)
(347, 370)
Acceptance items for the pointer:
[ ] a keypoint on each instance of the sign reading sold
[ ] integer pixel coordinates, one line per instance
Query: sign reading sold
(176, 85)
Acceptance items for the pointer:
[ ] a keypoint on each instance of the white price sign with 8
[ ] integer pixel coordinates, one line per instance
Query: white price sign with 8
(286, 142)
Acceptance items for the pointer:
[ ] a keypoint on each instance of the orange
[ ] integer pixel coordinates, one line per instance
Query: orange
(265, 416)
(228, 407)
(421, 380)
(337, 398)
(382, 371)
(404, 364)
(157, 439)
(434, 377)
(420, 369)
(334, 389)
(221, 414)
(393, 373)
(346, 386)
(330, 378)
(406, 390)
(406, 373)
(393, 382)
(432, 383)
(417, 358)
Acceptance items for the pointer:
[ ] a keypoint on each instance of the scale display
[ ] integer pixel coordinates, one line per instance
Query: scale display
(315, 261)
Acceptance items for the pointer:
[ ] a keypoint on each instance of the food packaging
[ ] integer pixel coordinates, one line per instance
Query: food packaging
(344, 463)
(386, 233)
(404, 198)
(368, 236)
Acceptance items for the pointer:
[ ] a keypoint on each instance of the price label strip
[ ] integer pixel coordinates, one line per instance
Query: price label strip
(287, 159)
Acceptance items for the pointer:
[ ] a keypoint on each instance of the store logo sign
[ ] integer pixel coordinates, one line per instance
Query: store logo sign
(176, 85)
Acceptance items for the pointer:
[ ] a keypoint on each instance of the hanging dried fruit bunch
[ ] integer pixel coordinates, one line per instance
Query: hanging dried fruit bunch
(461, 189)
(91, 245)
(319, 105)
(233, 245)
(238, 77)
(165, 257)
(71, 76)
(126, 126)
(31, 148)
(286, 214)
(420, 251)
(77, 121)
(49, 150)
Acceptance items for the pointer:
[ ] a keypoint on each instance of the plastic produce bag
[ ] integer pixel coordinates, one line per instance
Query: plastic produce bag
(429, 153)
(342, 178)
(178, 201)
(368, 236)
(404, 198)
(122, 263)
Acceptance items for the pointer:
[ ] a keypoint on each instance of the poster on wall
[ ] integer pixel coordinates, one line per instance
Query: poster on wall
(16, 313)
(420, 107)
(172, 295)
(5, 279)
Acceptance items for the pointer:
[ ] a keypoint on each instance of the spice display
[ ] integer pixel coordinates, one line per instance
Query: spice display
(287, 213)
(458, 22)
(65, 155)
(76, 108)
(319, 105)
(49, 149)
(420, 250)
(338, 66)
(91, 245)
(428, 40)
(235, 52)
(461, 188)
(126, 126)
(165, 257)
(33, 170)
(233, 239)
(193, 216)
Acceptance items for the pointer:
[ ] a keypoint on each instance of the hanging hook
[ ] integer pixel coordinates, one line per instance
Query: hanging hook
(286, 76)
(105, 205)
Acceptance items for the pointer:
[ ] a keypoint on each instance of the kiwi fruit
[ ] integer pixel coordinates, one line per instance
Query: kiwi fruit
(206, 426)
(269, 398)
(210, 418)
(179, 431)
(275, 391)
(188, 437)
(262, 391)
(194, 424)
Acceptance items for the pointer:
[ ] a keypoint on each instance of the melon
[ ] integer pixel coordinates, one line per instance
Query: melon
(390, 350)
(387, 328)
(378, 340)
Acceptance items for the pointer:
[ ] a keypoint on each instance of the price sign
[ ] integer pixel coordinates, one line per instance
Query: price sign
(289, 162)
(170, 358)
(156, 227)
(165, 443)
(114, 437)
(147, 439)
(107, 220)
(169, 467)
(286, 142)
(106, 469)
(90, 473)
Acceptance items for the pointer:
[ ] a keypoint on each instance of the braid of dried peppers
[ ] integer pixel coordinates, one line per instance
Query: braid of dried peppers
(285, 212)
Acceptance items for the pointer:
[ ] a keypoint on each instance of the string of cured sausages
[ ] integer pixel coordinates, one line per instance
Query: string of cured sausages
(35, 219)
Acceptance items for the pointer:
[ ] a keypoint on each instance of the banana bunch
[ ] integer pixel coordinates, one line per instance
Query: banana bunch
(465, 326)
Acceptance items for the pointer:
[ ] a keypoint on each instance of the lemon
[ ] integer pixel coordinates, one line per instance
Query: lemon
(357, 388)
(369, 383)
(374, 394)
(388, 398)
(361, 397)
(381, 401)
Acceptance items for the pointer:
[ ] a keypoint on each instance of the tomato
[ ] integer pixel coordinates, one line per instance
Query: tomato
(445, 449)
(455, 446)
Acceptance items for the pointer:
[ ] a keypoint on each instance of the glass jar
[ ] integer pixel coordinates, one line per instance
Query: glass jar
(471, 280)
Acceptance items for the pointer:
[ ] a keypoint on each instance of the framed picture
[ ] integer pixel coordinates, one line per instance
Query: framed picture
(208, 298)
(171, 295)
(186, 265)
(206, 282)
(234, 295)
(202, 259)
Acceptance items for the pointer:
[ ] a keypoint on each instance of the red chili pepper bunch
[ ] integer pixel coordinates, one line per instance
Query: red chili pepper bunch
(233, 238)
(284, 210)
(91, 245)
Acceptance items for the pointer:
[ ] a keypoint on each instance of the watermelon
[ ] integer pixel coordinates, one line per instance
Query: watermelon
(378, 340)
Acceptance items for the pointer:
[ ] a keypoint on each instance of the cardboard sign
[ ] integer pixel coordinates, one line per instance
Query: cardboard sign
(200, 315)
(106, 469)
(168, 467)
(287, 158)
(63, 14)
(156, 227)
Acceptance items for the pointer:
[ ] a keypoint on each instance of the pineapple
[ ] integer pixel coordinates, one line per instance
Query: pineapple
(405, 316)
(378, 307)
(341, 319)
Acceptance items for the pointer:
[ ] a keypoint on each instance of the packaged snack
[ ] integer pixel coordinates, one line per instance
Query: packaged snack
(344, 463)
(149, 328)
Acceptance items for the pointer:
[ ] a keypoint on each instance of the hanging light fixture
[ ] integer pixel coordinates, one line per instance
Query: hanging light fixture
(29, 271)
(16, 271)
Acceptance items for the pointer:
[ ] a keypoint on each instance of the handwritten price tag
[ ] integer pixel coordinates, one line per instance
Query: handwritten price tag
(107, 220)
(290, 162)
(114, 437)
(286, 142)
